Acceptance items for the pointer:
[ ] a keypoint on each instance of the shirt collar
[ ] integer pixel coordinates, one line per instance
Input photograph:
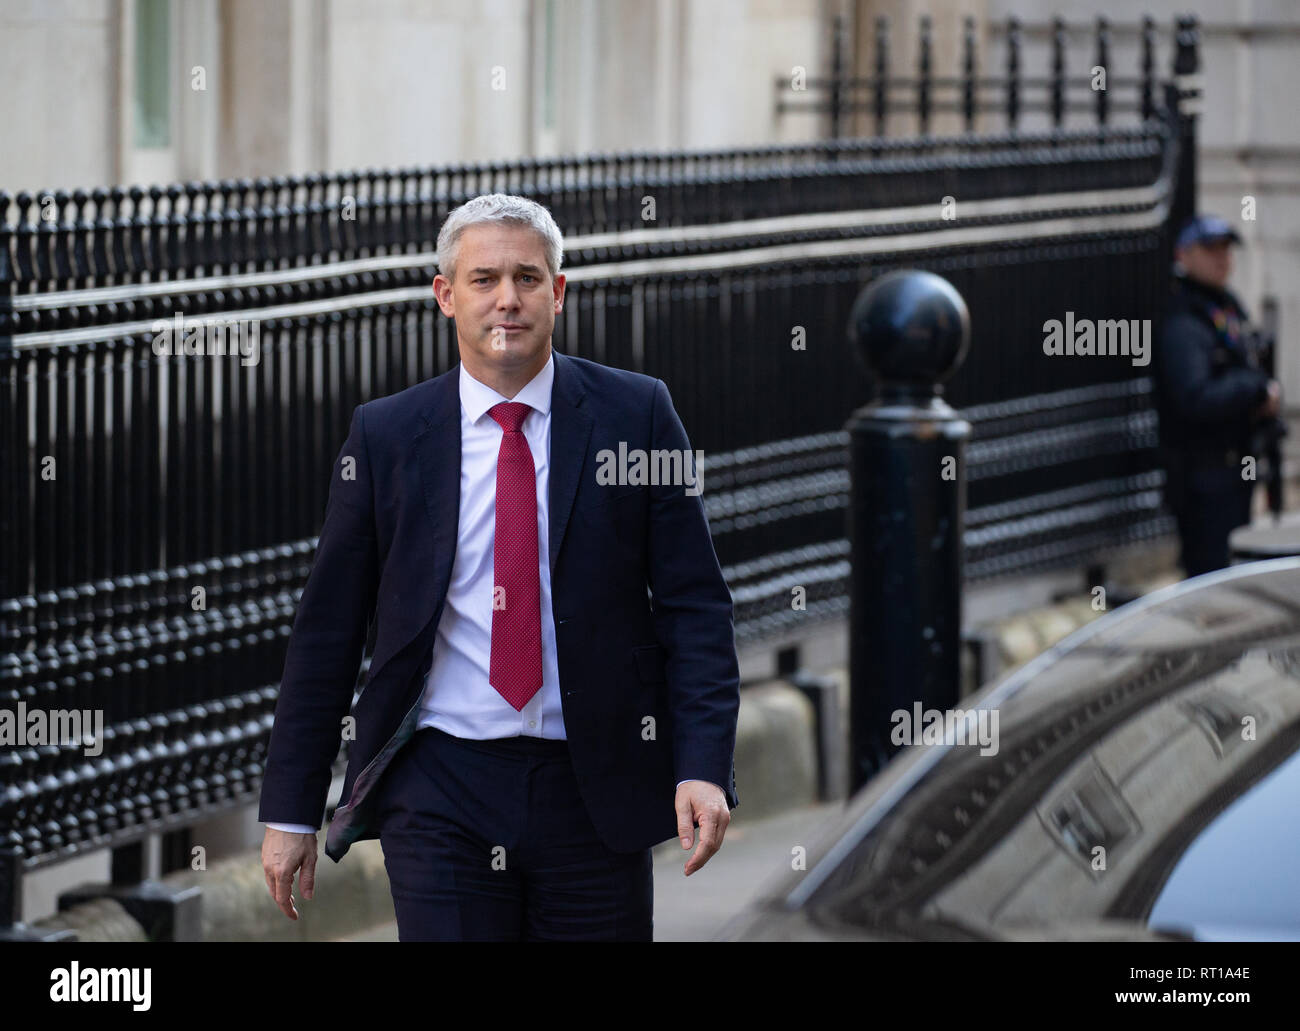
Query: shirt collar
(476, 398)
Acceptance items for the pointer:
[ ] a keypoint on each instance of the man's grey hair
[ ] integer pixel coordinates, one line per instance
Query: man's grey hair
(499, 207)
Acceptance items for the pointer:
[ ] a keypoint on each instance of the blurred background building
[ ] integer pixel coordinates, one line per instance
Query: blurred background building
(155, 91)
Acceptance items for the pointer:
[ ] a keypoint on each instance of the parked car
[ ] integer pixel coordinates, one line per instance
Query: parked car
(1144, 786)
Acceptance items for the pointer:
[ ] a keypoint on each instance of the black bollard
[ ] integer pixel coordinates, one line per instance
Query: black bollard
(907, 464)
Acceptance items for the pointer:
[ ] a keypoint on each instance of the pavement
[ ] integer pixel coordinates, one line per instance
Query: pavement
(696, 908)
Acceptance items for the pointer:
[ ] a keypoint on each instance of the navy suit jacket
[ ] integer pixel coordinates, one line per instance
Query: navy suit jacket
(625, 653)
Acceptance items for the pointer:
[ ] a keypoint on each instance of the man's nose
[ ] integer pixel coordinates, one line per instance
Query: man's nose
(507, 296)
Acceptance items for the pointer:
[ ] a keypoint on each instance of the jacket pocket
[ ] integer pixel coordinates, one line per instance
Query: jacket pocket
(605, 495)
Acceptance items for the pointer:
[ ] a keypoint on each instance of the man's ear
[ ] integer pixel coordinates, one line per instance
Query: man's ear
(442, 294)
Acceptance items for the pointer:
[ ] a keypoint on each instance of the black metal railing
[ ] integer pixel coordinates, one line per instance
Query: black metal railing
(159, 510)
(889, 97)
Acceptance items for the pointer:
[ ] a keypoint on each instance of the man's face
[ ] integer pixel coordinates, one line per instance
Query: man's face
(1209, 262)
(503, 299)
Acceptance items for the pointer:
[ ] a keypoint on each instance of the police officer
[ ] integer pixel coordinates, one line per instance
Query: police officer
(1211, 396)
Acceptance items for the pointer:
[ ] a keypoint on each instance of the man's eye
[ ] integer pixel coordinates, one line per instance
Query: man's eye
(481, 279)
(528, 276)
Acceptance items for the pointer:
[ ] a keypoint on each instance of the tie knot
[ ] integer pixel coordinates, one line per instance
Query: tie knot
(510, 415)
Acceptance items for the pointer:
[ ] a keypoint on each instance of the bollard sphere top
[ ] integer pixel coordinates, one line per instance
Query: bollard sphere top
(910, 328)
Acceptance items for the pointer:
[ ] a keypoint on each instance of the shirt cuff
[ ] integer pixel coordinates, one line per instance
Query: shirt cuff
(293, 828)
(718, 786)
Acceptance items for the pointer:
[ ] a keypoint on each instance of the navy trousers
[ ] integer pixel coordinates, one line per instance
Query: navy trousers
(490, 841)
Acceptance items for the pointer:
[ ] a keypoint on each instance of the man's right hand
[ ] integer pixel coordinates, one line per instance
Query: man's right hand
(283, 853)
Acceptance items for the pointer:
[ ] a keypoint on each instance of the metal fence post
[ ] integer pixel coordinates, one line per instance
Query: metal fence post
(1183, 100)
(906, 507)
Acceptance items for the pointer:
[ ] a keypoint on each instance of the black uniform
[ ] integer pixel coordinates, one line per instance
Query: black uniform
(1207, 391)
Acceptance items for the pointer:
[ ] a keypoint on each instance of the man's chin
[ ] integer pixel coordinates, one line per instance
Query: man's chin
(515, 350)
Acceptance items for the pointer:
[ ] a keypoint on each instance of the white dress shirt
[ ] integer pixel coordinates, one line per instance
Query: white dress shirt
(457, 697)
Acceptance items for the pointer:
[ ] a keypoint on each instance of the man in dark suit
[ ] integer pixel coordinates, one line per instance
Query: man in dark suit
(554, 685)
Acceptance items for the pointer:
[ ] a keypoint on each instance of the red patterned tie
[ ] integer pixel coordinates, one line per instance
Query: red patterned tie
(516, 666)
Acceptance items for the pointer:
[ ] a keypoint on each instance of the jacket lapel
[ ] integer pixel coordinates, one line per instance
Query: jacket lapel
(438, 450)
(414, 589)
(570, 431)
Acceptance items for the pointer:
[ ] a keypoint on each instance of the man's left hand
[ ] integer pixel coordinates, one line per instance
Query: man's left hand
(703, 803)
